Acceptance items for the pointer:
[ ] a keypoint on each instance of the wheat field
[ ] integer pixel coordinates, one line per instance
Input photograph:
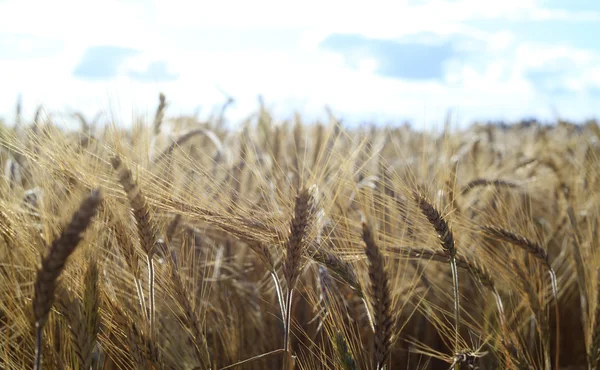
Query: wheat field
(185, 244)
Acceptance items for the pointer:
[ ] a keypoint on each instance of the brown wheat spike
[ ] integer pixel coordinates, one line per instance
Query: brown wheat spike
(160, 113)
(380, 294)
(439, 224)
(485, 182)
(145, 225)
(296, 240)
(263, 253)
(261, 249)
(528, 245)
(296, 244)
(340, 268)
(447, 242)
(53, 264)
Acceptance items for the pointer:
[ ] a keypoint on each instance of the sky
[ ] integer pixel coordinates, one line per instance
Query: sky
(377, 61)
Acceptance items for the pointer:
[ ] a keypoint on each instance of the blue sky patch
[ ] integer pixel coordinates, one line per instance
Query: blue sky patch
(102, 62)
(404, 60)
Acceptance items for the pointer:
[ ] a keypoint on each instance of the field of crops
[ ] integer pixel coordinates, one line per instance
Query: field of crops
(187, 244)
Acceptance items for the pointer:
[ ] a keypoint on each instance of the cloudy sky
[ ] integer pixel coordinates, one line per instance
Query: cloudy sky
(377, 60)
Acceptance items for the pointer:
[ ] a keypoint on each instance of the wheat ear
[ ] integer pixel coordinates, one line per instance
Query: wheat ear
(145, 226)
(53, 265)
(160, 113)
(526, 244)
(295, 247)
(343, 271)
(338, 267)
(447, 242)
(381, 297)
(485, 182)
